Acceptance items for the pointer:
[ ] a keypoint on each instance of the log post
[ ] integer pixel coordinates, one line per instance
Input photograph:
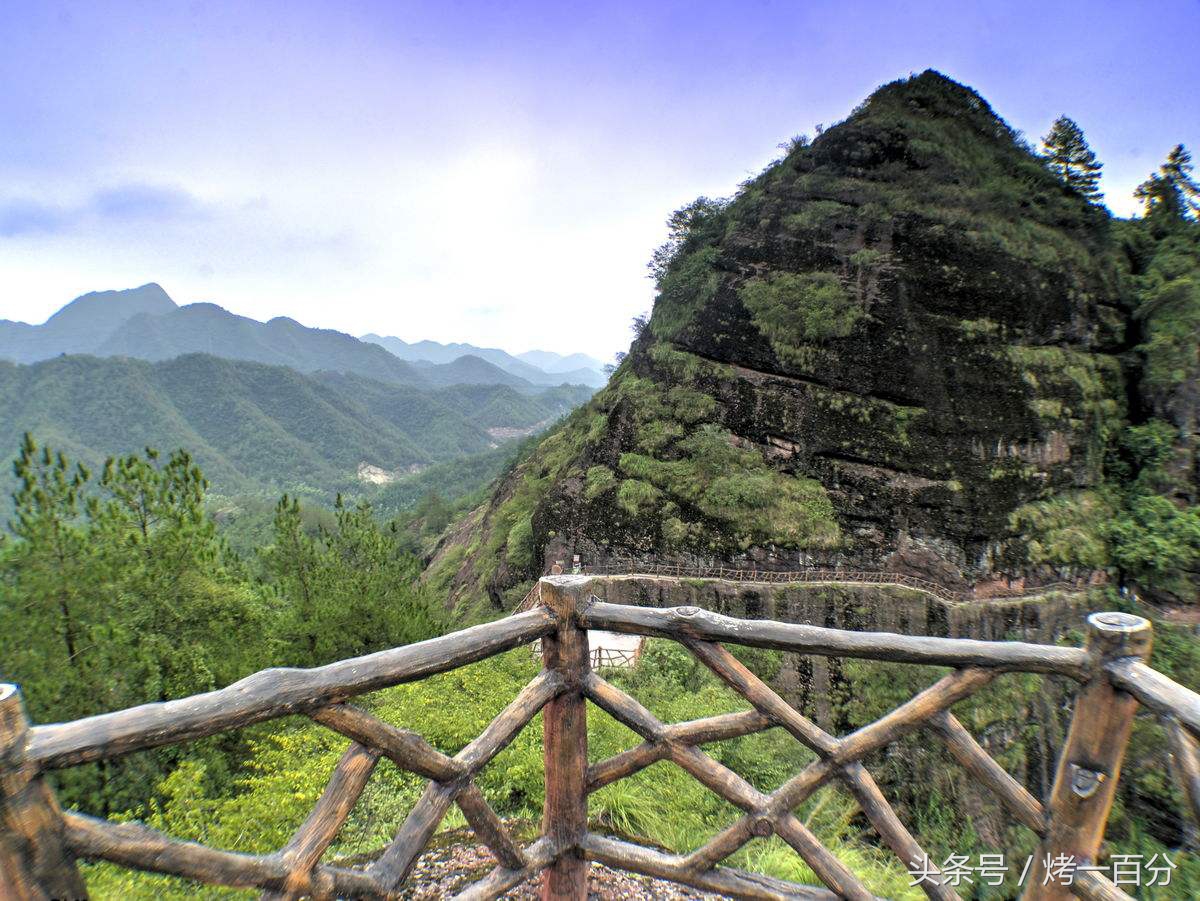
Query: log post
(564, 821)
(1085, 783)
(34, 858)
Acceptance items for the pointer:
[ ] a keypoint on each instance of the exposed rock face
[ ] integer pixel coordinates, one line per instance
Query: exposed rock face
(886, 344)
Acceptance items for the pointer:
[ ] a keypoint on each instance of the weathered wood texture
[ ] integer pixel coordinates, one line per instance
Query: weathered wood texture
(1091, 886)
(39, 843)
(392, 867)
(1157, 692)
(139, 846)
(979, 763)
(565, 652)
(538, 856)
(692, 622)
(1186, 764)
(1085, 782)
(38, 863)
(274, 693)
(893, 832)
(735, 883)
(321, 827)
(694, 732)
(404, 748)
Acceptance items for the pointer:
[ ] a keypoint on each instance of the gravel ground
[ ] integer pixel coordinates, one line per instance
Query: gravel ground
(443, 872)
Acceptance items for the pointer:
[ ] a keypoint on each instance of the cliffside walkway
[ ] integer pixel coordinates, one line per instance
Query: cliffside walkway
(815, 575)
(40, 843)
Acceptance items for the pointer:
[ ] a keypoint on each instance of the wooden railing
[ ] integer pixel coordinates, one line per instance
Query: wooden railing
(40, 843)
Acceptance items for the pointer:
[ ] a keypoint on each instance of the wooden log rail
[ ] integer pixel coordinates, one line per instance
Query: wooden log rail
(40, 843)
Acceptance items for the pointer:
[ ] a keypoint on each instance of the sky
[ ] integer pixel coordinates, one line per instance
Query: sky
(497, 173)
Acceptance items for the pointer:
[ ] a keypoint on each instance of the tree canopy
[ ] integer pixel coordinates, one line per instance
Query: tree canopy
(1070, 158)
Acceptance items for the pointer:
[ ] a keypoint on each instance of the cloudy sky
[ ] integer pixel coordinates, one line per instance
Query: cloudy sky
(490, 172)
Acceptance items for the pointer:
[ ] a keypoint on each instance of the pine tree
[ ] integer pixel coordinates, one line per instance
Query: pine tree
(1070, 158)
(1171, 194)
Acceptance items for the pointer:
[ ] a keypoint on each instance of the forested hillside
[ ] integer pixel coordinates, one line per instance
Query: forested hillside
(256, 428)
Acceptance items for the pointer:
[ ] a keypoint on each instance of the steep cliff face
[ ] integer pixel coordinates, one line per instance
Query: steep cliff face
(879, 353)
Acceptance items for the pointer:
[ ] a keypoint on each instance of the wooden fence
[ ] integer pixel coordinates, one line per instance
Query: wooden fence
(40, 843)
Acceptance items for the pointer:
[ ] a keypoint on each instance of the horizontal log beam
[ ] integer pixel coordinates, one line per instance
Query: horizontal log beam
(140, 847)
(691, 622)
(276, 692)
(726, 881)
(1160, 694)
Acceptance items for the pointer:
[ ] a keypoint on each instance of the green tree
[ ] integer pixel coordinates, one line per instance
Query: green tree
(1069, 157)
(1171, 195)
(346, 591)
(434, 514)
(688, 227)
(48, 616)
(118, 591)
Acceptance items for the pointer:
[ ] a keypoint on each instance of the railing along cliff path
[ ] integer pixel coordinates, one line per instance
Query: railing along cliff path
(813, 575)
(40, 843)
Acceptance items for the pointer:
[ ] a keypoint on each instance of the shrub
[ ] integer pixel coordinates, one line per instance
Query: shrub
(636, 496)
(519, 550)
(685, 289)
(599, 480)
(797, 309)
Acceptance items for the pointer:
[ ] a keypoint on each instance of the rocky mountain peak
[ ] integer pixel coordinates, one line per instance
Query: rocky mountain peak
(876, 354)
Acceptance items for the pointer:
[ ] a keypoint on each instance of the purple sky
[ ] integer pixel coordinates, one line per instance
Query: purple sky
(495, 173)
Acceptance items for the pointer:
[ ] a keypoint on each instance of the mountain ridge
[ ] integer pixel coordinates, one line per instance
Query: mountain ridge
(574, 368)
(145, 323)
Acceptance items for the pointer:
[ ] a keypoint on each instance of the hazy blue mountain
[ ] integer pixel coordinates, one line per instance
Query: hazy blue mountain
(435, 352)
(549, 361)
(577, 369)
(82, 325)
(144, 323)
(208, 328)
(470, 370)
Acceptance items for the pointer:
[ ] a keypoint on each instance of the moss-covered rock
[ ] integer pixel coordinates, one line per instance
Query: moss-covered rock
(887, 344)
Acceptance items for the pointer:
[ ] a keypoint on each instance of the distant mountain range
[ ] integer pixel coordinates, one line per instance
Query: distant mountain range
(256, 427)
(264, 406)
(541, 367)
(145, 323)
